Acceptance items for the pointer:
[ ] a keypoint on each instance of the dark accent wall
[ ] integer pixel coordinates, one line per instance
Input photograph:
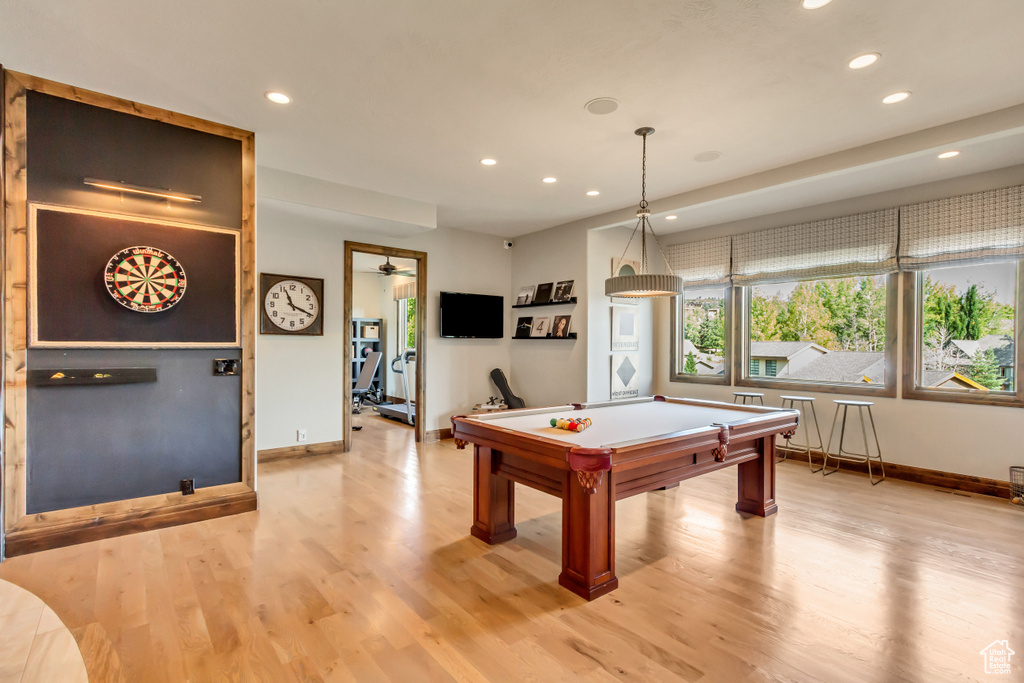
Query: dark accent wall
(94, 444)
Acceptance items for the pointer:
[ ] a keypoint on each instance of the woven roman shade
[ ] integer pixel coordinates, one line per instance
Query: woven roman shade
(972, 227)
(862, 244)
(405, 290)
(707, 263)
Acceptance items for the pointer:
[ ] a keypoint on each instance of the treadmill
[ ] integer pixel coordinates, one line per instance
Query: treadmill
(406, 412)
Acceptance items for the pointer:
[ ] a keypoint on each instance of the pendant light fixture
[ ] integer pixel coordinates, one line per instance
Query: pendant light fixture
(643, 284)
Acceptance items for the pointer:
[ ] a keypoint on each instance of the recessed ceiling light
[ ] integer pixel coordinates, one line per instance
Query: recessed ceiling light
(278, 97)
(601, 106)
(592, 193)
(671, 218)
(815, 4)
(549, 179)
(488, 162)
(704, 157)
(950, 154)
(864, 60)
(896, 97)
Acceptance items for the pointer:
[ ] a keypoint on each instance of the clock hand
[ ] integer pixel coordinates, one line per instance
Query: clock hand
(289, 298)
(301, 310)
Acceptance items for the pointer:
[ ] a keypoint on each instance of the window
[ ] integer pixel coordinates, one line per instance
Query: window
(963, 333)
(828, 331)
(406, 323)
(700, 334)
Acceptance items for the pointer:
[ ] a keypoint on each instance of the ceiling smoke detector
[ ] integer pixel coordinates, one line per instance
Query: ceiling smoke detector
(704, 157)
(601, 106)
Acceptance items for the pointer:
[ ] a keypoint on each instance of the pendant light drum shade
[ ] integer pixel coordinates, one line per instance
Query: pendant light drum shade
(644, 285)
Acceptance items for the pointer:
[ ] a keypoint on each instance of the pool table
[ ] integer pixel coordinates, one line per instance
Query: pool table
(633, 446)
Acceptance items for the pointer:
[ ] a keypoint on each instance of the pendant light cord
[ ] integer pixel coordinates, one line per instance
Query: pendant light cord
(643, 223)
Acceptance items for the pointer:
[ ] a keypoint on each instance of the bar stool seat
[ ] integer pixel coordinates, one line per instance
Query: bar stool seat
(851, 456)
(745, 397)
(806, 446)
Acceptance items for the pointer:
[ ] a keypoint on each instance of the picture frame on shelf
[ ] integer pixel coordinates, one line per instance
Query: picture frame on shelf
(543, 294)
(523, 327)
(525, 296)
(541, 326)
(561, 326)
(563, 291)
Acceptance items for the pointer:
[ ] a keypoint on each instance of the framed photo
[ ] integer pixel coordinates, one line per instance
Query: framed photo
(525, 295)
(625, 336)
(541, 327)
(563, 291)
(109, 280)
(561, 327)
(543, 294)
(294, 305)
(625, 375)
(523, 327)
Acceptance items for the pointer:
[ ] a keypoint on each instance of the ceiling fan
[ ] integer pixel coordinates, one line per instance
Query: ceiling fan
(389, 268)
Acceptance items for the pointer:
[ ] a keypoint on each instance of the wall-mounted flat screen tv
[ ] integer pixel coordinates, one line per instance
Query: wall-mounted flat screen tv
(472, 316)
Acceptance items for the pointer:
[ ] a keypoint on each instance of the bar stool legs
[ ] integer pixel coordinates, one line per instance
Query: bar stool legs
(806, 446)
(747, 397)
(852, 456)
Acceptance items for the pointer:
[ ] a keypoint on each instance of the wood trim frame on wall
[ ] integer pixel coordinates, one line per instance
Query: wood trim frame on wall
(741, 352)
(26, 533)
(912, 353)
(421, 336)
(677, 317)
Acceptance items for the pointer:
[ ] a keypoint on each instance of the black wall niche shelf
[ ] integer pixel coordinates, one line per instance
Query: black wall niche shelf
(571, 335)
(90, 376)
(550, 303)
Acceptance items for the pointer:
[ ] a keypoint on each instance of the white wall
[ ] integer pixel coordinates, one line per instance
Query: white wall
(602, 247)
(950, 437)
(552, 371)
(299, 379)
(367, 293)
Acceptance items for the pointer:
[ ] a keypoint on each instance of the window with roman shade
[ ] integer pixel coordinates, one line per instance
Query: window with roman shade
(701, 319)
(965, 229)
(862, 244)
(703, 264)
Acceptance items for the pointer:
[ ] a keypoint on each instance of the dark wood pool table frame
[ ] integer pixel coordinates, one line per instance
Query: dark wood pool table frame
(590, 480)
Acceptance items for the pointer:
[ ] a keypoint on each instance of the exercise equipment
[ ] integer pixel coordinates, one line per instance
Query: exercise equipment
(401, 411)
(364, 389)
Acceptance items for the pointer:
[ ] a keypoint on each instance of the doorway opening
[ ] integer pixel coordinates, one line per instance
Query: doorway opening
(385, 359)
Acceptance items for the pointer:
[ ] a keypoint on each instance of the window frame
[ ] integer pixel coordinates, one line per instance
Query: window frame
(678, 320)
(912, 352)
(741, 352)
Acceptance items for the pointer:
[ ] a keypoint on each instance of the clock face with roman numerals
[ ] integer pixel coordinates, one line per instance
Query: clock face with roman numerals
(145, 279)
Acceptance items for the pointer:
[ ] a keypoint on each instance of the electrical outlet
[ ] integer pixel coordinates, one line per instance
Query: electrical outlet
(300, 435)
(188, 487)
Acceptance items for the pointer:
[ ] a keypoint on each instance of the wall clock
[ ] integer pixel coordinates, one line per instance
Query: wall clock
(291, 304)
(145, 279)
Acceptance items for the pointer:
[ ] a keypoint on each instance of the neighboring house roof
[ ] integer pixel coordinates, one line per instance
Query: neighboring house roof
(716, 370)
(689, 348)
(936, 378)
(1001, 346)
(840, 366)
(875, 373)
(780, 349)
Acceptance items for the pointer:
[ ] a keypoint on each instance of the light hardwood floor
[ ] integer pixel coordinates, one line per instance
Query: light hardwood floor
(361, 566)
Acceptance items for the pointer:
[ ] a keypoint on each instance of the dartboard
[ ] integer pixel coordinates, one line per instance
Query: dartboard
(145, 279)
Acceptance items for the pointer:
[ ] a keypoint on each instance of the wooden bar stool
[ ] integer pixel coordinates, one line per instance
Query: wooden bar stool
(850, 456)
(806, 446)
(745, 397)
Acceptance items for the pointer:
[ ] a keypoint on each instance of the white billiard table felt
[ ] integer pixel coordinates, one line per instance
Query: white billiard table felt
(620, 423)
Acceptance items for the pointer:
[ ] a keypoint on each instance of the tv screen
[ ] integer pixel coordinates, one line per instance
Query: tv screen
(472, 316)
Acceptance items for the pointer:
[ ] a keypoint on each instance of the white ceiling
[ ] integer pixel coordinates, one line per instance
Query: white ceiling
(403, 97)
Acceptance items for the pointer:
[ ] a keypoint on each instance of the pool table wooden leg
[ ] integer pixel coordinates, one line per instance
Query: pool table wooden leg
(757, 482)
(494, 499)
(588, 535)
